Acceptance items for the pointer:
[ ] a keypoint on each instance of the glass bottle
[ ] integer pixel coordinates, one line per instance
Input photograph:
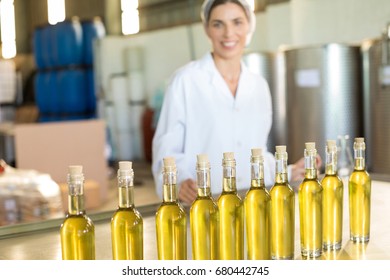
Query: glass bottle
(332, 201)
(282, 211)
(345, 161)
(77, 231)
(171, 220)
(126, 222)
(257, 207)
(231, 213)
(204, 216)
(359, 196)
(310, 206)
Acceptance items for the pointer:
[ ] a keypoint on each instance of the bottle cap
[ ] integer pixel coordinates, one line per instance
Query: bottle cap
(228, 159)
(169, 162)
(359, 140)
(280, 149)
(203, 161)
(125, 165)
(257, 152)
(310, 146)
(331, 143)
(75, 169)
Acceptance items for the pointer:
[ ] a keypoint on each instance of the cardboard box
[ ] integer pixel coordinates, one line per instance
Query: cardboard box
(52, 147)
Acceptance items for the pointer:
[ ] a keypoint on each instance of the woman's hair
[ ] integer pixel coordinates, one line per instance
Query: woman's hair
(209, 5)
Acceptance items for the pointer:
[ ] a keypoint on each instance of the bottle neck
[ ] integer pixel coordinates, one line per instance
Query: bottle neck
(203, 182)
(126, 189)
(331, 161)
(281, 168)
(360, 162)
(76, 194)
(257, 174)
(310, 165)
(169, 186)
(229, 178)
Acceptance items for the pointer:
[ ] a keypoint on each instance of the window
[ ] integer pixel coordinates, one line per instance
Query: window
(56, 11)
(130, 17)
(7, 15)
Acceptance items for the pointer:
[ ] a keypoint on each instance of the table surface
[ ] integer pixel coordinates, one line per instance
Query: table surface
(44, 244)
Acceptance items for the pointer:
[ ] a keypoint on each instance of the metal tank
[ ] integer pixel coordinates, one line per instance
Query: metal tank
(263, 63)
(323, 87)
(376, 76)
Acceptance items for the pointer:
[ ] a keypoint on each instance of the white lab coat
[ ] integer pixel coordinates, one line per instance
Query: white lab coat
(201, 116)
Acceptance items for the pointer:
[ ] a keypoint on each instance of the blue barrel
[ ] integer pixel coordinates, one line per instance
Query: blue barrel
(91, 95)
(48, 46)
(69, 42)
(92, 29)
(41, 93)
(37, 48)
(54, 98)
(72, 89)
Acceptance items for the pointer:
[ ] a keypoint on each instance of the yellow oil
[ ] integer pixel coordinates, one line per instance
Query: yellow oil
(282, 220)
(77, 233)
(257, 209)
(127, 234)
(310, 215)
(231, 226)
(359, 205)
(332, 212)
(204, 223)
(171, 230)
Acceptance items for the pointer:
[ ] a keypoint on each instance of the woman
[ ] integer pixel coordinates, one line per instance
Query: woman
(215, 105)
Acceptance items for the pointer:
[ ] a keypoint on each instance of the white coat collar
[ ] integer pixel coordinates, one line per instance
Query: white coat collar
(207, 64)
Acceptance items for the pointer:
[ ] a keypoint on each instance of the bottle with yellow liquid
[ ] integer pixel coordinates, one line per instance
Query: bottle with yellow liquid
(77, 231)
(204, 216)
(359, 195)
(257, 207)
(126, 223)
(231, 213)
(332, 201)
(282, 211)
(171, 220)
(310, 206)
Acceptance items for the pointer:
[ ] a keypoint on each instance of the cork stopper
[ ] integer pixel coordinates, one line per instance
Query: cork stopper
(125, 165)
(257, 152)
(203, 161)
(202, 158)
(310, 146)
(280, 149)
(228, 159)
(359, 140)
(228, 156)
(169, 162)
(75, 169)
(331, 143)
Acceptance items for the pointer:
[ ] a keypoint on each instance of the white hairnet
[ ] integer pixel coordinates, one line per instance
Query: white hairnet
(205, 13)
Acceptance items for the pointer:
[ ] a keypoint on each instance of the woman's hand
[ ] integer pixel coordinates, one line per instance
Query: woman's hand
(188, 191)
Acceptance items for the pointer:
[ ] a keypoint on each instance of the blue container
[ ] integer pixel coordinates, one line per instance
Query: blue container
(91, 95)
(37, 48)
(92, 29)
(41, 93)
(54, 98)
(72, 88)
(48, 46)
(69, 42)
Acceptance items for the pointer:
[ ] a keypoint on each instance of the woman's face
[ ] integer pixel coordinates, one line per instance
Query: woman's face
(227, 29)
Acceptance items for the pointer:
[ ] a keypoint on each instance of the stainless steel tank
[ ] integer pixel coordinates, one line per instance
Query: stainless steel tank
(263, 63)
(323, 95)
(376, 73)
